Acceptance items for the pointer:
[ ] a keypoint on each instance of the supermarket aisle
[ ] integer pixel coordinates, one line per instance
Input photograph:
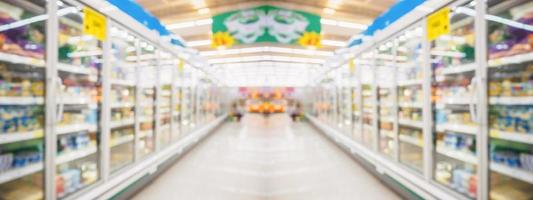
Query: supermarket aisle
(266, 159)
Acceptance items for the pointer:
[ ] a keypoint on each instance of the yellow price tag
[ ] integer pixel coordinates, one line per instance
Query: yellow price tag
(38, 133)
(94, 23)
(438, 24)
(351, 66)
(181, 65)
(494, 133)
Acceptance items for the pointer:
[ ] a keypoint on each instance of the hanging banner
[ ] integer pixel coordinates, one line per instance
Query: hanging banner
(94, 23)
(438, 24)
(266, 24)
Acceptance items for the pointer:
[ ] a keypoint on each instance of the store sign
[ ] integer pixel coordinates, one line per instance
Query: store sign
(438, 24)
(94, 24)
(266, 24)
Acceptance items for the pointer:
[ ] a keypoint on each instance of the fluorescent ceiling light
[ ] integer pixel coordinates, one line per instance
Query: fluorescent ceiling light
(203, 11)
(188, 24)
(199, 43)
(329, 11)
(267, 49)
(37, 18)
(495, 18)
(265, 58)
(333, 43)
(343, 24)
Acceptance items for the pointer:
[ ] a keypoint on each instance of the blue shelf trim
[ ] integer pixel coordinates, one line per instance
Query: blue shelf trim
(398, 10)
(136, 11)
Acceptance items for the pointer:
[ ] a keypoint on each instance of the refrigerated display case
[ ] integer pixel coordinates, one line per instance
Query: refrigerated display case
(22, 100)
(345, 101)
(369, 100)
(122, 81)
(453, 64)
(510, 98)
(164, 102)
(187, 101)
(148, 66)
(410, 62)
(386, 97)
(79, 98)
(177, 97)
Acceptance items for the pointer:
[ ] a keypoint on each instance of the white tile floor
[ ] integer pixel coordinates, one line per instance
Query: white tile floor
(266, 159)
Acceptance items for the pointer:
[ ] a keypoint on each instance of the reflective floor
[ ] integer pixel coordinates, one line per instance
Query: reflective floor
(262, 158)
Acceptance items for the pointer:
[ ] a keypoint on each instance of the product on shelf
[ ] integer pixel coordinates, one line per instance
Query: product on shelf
(73, 142)
(512, 154)
(509, 40)
(24, 40)
(461, 178)
(457, 142)
(73, 177)
(15, 119)
(515, 119)
(17, 156)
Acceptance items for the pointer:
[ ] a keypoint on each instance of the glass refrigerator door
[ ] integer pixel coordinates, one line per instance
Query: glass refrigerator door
(346, 110)
(186, 109)
(165, 103)
(510, 79)
(453, 63)
(177, 109)
(147, 98)
(385, 84)
(122, 98)
(79, 101)
(356, 100)
(22, 86)
(409, 61)
(367, 79)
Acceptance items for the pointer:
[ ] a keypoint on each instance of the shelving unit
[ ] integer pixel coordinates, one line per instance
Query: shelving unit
(464, 100)
(94, 85)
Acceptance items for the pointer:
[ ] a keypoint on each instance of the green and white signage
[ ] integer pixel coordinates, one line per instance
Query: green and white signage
(266, 24)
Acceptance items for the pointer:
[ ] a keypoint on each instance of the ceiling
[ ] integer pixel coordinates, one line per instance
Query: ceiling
(266, 64)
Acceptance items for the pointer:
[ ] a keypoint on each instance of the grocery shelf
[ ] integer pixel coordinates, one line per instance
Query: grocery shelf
(12, 174)
(517, 173)
(129, 83)
(122, 105)
(412, 82)
(459, 155)
(122, 140)
(74, 101)
(455, 101)
(121, 123)
(146, 119)
(411, 123)
(16, 59)
(458, 69)
(165, 127)
(412, 140)
(20, 136)
(468, 129)
(386, 119)
(516, 137)
(75, 69)
(387, 133)
(77, 154)
(21, 100)
(74, 128)
(520, 58)
(410, 105)
(143, 134)
(511, 100)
